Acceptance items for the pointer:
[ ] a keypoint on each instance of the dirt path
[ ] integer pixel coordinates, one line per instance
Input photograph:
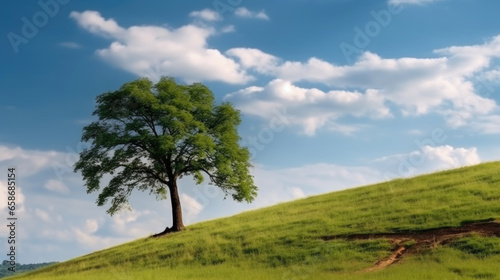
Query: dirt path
(422, 239)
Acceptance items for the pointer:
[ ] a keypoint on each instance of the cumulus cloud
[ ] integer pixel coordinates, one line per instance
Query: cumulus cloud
(487, 124)
(446, 157)
(492, 76)
(310, 108)
(427, 159)
(409, 86)
(413, 86)
(153, 51)
(255, 59)
(29, 162)
(95, 23)
(246, 13)
(206, 14)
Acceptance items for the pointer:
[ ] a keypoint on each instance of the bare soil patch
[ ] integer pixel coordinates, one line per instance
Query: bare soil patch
(422, 239)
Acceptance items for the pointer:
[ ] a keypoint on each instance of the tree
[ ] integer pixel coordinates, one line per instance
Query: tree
(148, 136)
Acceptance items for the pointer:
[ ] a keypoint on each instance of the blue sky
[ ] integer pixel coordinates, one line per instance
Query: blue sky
(333, 94)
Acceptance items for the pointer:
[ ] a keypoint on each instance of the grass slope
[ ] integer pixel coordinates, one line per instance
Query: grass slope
(284, 241)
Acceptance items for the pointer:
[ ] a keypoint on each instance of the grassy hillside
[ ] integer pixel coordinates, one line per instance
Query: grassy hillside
(287, 241)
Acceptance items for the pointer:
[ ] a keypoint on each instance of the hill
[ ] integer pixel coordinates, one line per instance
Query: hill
(20, 268)
(437, 226)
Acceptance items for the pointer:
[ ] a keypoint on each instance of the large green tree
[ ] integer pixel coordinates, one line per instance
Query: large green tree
(148, 136)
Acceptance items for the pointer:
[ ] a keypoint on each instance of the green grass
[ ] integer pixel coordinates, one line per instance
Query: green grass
(283, 241)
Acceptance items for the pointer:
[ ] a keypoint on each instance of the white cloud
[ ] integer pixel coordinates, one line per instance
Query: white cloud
(466, 60)
(127, 223)
(153, 51)
(255, 59)
(228, 29)
(416, 86)
(29, 162)
(410, 86)
(206, 14)
(56, 186)
(487, 124)
(492, 76)
(94, 242)
(446, 157)
(95, 23)
(121, 219)
(310, 108)
(412, 2)
(63, 223)
(427, 159)
(191, 206)
(246, 13)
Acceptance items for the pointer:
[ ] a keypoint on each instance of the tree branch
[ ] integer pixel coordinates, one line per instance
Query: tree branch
(140, 170)
(210, 175)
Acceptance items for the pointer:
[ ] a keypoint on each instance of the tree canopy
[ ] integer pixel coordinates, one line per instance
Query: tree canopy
(148, 136)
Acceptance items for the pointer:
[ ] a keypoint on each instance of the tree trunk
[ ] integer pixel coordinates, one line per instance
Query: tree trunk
(177, 224)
